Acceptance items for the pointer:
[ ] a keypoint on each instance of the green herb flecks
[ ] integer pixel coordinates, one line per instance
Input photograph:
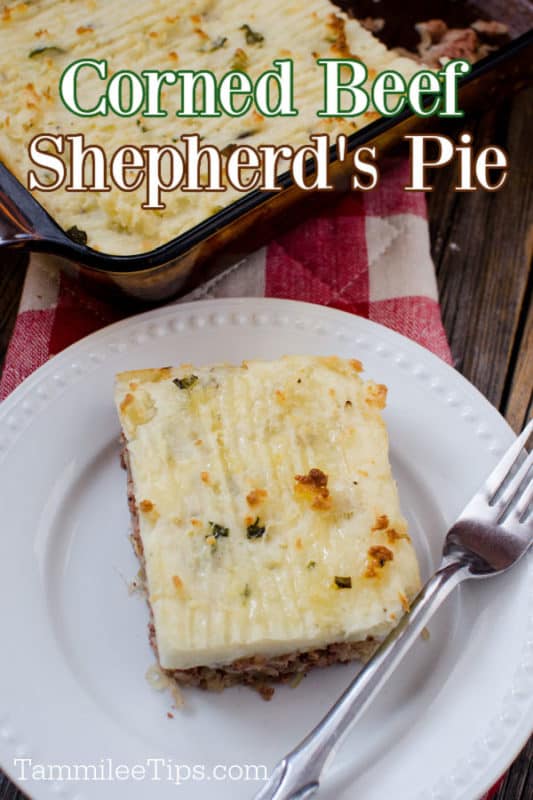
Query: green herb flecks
(343, 582)
(141, 126)
(255, 530)
(246, 592)
(186, 382)
(218, 43)
(51, 50)
(218, 531)
(77, 235)
(252, 37)
(311, 565)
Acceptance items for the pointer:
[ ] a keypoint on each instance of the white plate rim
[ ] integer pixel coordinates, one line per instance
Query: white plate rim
(67, 367)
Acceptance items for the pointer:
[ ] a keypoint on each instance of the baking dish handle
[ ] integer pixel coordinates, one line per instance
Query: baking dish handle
(22, 219)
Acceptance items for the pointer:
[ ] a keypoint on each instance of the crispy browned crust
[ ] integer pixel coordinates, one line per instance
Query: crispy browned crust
(258, 672)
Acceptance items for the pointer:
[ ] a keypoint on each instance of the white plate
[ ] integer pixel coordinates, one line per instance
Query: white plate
(74, 649)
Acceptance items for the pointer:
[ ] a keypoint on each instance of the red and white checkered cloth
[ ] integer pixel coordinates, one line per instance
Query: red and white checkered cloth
(366, 253)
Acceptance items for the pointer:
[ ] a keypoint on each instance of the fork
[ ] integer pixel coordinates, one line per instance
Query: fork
(492, 533)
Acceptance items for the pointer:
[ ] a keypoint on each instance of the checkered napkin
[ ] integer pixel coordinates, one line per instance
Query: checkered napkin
(366, 253)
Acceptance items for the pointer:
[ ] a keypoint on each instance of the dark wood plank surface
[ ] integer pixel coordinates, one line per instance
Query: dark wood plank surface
(482, 246)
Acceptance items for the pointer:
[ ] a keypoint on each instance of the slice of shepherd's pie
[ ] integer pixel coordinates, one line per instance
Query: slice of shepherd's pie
(265, 517)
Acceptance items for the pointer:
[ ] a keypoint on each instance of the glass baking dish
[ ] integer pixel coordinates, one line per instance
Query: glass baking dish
(254, 219)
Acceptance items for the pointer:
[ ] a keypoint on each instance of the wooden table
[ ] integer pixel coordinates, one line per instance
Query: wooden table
(482, 246)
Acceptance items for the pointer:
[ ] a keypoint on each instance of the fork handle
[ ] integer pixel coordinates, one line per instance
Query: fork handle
(298, 774)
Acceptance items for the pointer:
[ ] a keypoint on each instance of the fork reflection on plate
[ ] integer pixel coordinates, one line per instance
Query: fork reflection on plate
(491, 534)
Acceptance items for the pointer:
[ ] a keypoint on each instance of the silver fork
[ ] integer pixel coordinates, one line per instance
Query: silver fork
(493, 532)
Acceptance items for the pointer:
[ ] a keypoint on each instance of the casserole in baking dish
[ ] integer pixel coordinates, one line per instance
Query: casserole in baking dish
(41, 39)
(254, 217)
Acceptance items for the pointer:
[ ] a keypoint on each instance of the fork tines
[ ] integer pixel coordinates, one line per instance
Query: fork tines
(511, 482)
